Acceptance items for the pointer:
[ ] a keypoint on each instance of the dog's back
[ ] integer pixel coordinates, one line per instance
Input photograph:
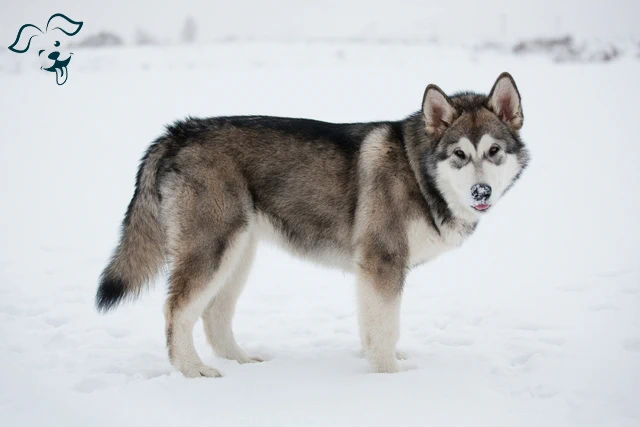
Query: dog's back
(296, 177)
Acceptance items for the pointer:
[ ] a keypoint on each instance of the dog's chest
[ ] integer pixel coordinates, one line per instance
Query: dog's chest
(425, 243)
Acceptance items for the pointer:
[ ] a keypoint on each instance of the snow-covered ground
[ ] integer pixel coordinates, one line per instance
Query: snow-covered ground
(534, 322)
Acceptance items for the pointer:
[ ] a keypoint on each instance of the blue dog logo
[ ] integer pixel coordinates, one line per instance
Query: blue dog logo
(49, 42)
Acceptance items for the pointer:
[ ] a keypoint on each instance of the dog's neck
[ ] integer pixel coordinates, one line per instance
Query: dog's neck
(442, 214)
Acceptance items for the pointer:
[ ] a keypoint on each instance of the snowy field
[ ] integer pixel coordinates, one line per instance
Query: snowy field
(534, 322)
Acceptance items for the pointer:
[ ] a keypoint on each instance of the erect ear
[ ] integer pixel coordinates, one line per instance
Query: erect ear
(60, 22)
(23, 39)
(437, 109)
(505, 102)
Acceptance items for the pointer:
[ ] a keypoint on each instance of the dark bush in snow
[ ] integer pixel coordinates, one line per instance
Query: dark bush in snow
(101, 39)
(565, 49)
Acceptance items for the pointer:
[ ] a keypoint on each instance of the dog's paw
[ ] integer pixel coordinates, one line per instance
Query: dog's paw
(387, 368)
(401, 355)
(386, 365)
(250, 359)
(240, 357)
(201, 370)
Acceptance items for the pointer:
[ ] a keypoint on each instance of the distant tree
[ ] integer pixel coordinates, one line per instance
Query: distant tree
(189, 30)
(143, 38)
(101, 39)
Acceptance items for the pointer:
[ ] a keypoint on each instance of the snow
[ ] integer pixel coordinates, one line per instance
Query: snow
(534, 321)
(462, 20)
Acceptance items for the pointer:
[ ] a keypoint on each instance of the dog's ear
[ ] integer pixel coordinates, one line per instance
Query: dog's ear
(23, 40)
(437, 109)
(64, 24)
(505, 102)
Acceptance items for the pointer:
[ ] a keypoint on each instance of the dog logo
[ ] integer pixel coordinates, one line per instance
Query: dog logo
(48, 42)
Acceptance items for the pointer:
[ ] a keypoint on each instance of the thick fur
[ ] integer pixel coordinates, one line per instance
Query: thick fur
(372, 198)
(141, 251)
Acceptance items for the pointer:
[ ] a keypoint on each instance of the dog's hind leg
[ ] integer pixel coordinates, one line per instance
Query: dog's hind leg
(195, 281)
(218, 317)
(208, 232)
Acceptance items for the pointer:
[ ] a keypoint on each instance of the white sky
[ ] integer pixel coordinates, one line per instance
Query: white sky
(461, 20)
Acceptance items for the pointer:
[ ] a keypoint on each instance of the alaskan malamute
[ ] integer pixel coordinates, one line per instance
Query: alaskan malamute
(372, 198)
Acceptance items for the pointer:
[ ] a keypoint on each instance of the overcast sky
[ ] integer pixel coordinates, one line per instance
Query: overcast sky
(460, 20)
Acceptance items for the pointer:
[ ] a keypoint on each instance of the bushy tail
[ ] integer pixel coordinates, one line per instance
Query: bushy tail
(141, 252)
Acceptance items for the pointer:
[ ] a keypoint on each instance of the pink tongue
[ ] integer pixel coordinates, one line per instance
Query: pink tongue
(481, 207)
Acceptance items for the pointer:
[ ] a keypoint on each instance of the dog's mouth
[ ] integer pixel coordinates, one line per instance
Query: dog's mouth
(481, 207)
(60, 68)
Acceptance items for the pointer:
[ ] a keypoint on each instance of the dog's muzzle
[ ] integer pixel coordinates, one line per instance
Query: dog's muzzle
(481, 194)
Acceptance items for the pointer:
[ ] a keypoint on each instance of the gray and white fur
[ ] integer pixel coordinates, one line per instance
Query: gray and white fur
(375, 199)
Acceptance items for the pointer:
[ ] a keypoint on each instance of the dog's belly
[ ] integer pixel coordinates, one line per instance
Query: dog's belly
(326, 256)
(425, 244)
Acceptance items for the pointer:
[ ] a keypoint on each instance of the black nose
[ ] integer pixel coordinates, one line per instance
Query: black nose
(53, 55)
(480, 192)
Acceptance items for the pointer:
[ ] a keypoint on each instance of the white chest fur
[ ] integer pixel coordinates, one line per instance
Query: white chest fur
(425, 243)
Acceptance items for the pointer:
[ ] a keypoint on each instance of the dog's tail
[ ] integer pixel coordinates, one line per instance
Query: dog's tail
(141, 251)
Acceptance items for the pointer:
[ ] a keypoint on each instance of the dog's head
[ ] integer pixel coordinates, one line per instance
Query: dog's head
(476, 153)
(48, 44)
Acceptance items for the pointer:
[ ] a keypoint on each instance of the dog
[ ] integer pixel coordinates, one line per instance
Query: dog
(48, 44)
(375, 199)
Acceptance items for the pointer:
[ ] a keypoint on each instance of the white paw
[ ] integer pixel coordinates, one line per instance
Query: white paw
(386, 368)
(239, 356)
(384, 365)
(201, 370)
(247, 359)
(401, 355)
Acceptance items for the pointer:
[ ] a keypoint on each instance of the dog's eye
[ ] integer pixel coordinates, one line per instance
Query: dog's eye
(57, 43)
(460, 154)
(494, 150)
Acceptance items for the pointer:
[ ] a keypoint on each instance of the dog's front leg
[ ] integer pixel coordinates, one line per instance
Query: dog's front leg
(380, 281)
